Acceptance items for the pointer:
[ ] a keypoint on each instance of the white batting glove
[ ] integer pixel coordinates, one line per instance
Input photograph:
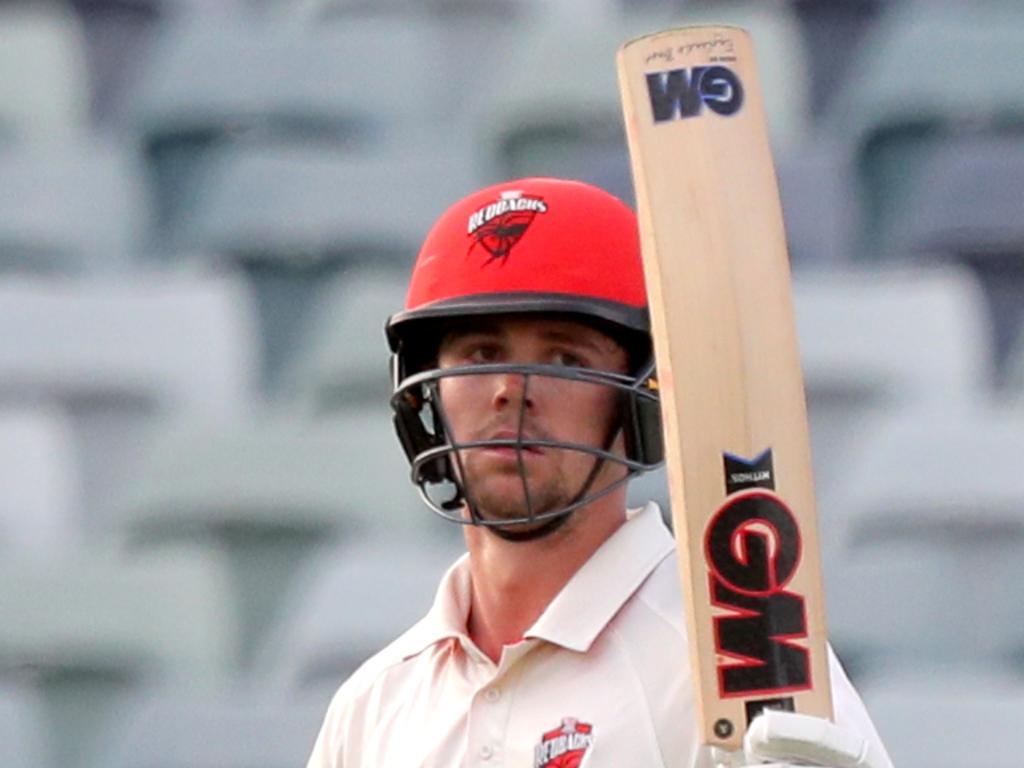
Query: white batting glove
(778, 739)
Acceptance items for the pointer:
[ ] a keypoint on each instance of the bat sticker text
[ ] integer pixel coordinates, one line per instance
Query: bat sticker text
(752, 547)
(683, 93)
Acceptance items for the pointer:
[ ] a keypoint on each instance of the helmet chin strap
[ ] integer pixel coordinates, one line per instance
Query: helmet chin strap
(544, 529)
(553, 524)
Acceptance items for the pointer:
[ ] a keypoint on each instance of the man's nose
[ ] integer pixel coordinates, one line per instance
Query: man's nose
(510, 389)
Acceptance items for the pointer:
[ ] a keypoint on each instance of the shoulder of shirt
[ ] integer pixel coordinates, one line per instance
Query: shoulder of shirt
(660, 596)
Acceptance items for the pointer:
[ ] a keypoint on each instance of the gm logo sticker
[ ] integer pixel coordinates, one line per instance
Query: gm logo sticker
(682, 93)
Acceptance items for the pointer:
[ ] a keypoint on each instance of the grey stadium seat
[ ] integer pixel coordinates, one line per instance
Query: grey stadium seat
(237, 727)
(1014, 383)
(969, 212)
(87, 629)
(948, 721)
(353, 600)
(557, 110)
(471, 38)
(22, 720)
(119, 355)
(70, 207)
(814, 183)
(216, 81)
(931, 544)
(872, 340)
(39, 513)
(266, 493)
(44, 84)
(346, 359)
(904, 97)
(293, 218)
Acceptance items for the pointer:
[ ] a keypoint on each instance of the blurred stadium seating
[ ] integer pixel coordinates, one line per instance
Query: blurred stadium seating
(969, 709)
(77, 207)
(266, 493)
(882, 340)
(346, 360)
(44, 83)
(967, 213)
(239, 727)
(929, 533)
(22, 741)
(39, 474)
(119, 353)
(344, 608)
(85, 630)
(928, 73)
(207, 211)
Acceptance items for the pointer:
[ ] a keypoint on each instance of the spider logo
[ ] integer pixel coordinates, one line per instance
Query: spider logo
(499, 235)
(498, 226)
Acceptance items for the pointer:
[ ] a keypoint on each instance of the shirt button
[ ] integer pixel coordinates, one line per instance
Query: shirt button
(486, 752)
(492, 695)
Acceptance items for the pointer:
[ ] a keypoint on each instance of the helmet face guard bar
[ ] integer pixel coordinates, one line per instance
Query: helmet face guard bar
(436, 456)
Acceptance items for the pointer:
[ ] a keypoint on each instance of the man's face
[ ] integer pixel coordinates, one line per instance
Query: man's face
(490, 407)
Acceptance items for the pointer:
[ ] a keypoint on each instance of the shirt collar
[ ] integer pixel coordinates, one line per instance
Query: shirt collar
(586, 603)
(606, 581)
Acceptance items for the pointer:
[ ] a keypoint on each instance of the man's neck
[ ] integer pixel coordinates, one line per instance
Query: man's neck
(514, 582)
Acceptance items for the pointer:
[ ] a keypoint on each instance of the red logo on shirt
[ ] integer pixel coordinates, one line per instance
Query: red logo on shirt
(565, 746)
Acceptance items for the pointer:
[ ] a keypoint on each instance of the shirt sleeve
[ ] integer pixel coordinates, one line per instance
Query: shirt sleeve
(848, 709)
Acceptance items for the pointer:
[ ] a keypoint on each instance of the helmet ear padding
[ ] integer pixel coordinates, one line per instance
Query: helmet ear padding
(641, 419)
(642, 430)
(415, 439)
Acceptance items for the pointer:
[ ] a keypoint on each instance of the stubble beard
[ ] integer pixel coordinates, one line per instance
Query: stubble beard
(494, 501)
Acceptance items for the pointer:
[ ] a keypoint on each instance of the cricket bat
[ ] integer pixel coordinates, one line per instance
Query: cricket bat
(734, 415)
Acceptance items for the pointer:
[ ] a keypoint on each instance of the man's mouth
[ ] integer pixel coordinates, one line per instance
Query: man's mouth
(511, 436)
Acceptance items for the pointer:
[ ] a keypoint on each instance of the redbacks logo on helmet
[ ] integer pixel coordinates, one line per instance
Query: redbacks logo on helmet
(564, 746)
(499, 225)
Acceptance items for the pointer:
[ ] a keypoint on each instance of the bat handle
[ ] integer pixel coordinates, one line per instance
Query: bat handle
(723, 758)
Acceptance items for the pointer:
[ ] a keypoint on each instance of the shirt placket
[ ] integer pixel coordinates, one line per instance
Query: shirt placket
(491, 707)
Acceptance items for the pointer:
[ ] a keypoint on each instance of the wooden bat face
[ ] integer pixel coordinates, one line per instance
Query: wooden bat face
(736, 438)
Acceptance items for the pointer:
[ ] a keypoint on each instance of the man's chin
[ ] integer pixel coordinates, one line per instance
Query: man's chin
(515, 517)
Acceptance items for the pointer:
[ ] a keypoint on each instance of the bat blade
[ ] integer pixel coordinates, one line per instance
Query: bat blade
(735, 421)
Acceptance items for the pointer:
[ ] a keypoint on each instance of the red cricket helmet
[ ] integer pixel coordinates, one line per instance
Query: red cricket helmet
(534, 245)
(530, 245)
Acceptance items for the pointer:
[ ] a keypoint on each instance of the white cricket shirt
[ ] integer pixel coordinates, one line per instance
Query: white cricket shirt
(601, 680)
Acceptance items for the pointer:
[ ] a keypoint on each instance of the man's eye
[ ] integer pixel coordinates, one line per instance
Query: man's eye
(568, 359)
(483, 354)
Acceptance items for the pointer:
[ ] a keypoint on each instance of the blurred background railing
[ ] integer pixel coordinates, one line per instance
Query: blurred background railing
(207, 211)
